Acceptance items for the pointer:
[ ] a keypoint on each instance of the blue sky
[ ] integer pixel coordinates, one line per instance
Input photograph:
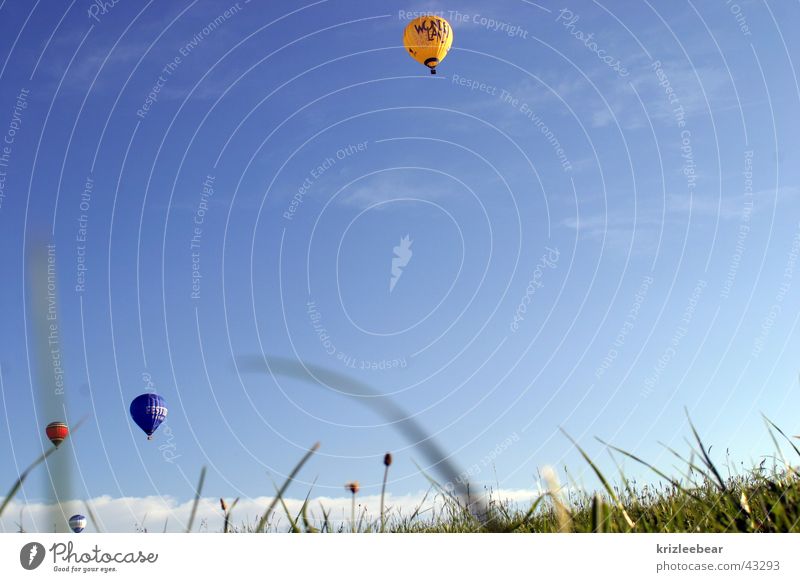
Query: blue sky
(601, 201)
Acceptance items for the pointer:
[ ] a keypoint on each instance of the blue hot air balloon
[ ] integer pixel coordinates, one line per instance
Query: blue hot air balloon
(148, 411)
(77, 522)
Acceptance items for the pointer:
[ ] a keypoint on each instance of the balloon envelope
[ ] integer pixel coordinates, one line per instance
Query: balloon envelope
(77, 522)
(427, 39)
(57, 432)
(148, 411)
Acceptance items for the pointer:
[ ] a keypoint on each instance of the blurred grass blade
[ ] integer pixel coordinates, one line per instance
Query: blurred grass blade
(24, 475)
(263, 521)
(92, 517)
(598, 513)
(421, 503)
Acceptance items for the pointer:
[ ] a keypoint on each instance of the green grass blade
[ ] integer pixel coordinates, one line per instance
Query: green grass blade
(421, 503)
(304, 512)
(24, 475)
(657, 471)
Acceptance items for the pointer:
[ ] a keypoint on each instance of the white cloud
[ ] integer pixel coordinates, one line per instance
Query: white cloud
(129, 514)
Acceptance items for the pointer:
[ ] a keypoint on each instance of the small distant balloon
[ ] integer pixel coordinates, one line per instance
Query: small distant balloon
(77, 523)
(427, 39)
(57, 432)
(148, 411)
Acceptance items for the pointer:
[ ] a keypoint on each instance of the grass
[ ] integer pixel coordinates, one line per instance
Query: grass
(704, 498)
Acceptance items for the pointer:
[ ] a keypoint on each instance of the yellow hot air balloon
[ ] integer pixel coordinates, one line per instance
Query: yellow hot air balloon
(427, 39)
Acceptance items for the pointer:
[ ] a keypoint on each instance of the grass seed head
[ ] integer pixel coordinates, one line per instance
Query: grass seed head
(387, 459)
(352, 487)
